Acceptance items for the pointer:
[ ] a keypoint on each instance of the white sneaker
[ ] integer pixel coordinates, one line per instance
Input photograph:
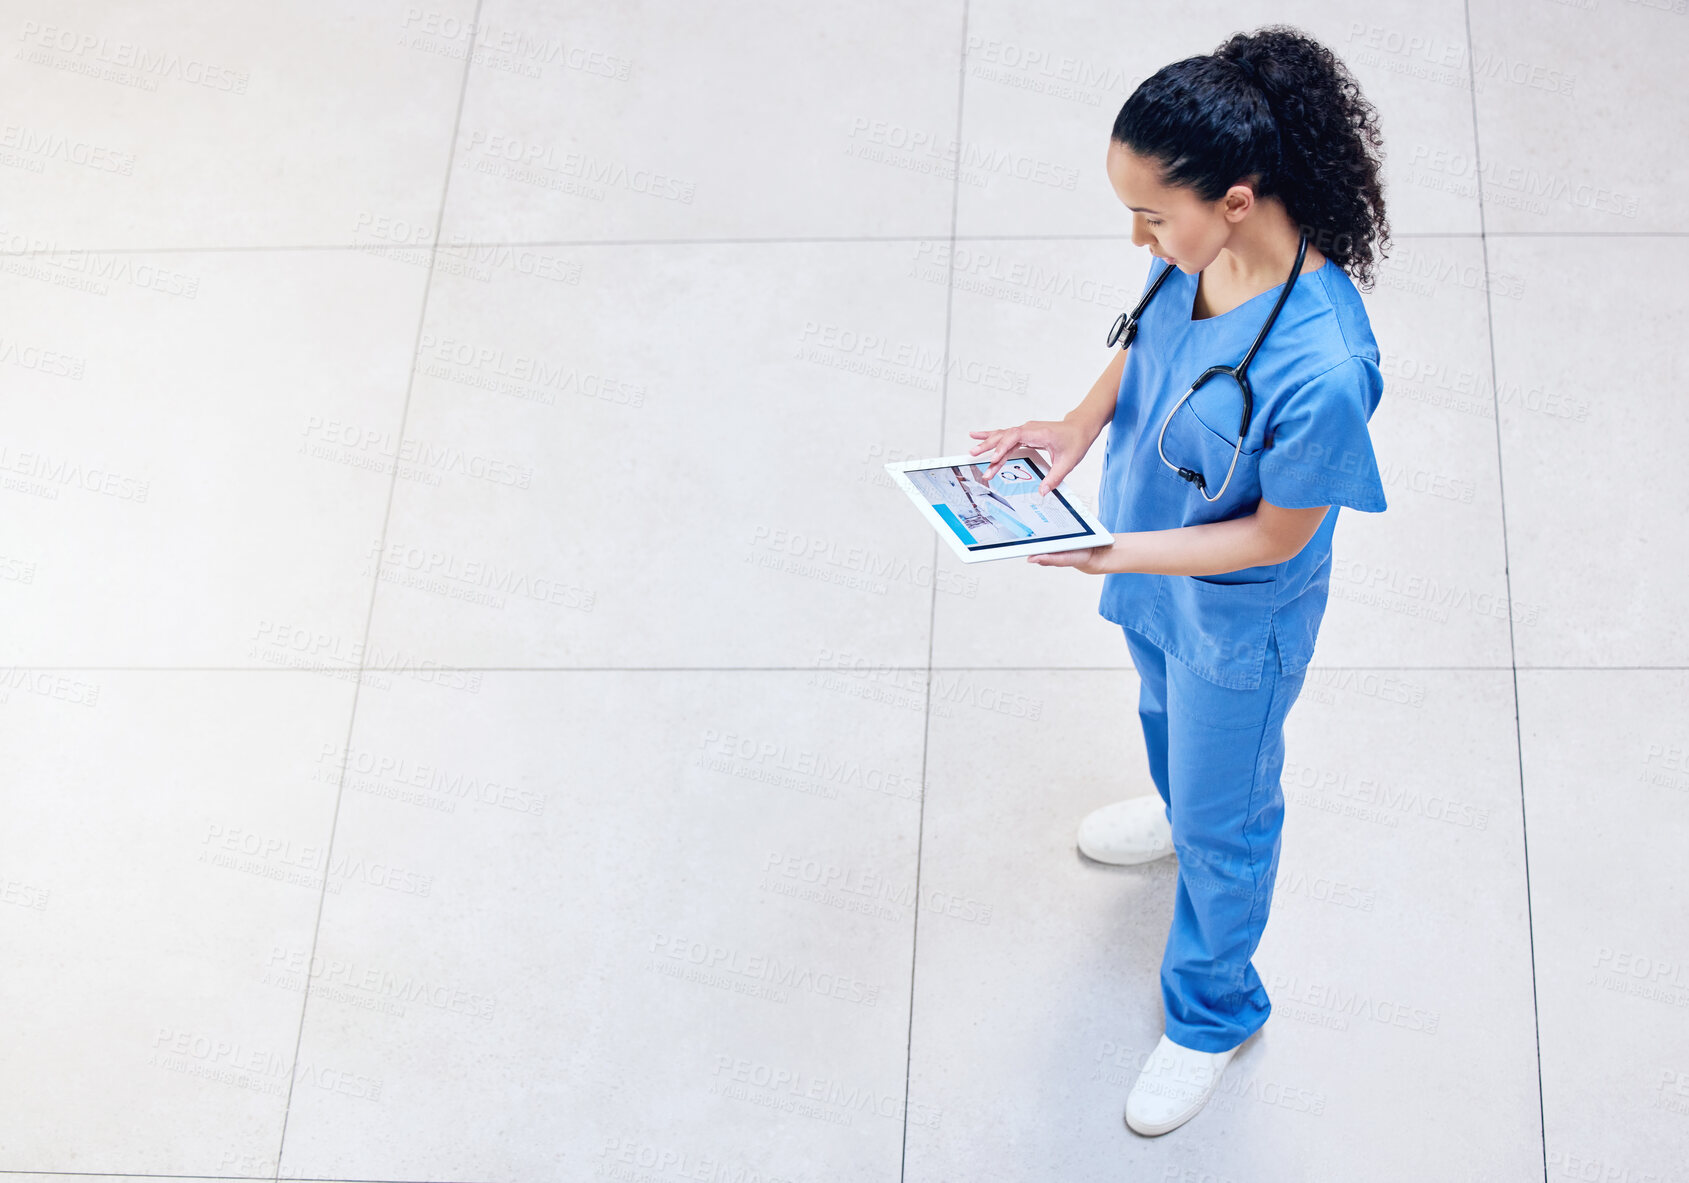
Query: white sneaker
(1127, 832)
(1175, 1084)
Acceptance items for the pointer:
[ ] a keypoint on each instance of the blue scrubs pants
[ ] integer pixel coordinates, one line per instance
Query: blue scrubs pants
(1215, 755)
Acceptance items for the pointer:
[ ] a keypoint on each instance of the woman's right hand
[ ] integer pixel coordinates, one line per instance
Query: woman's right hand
(1063, 441)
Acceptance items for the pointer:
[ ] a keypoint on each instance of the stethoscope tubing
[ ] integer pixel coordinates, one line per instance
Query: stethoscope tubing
(1126, 325)
(1189, 474)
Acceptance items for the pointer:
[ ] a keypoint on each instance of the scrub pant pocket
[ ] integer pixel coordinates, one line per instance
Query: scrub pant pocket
(1216, 755)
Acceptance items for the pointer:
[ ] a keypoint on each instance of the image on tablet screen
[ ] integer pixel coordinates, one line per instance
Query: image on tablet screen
(1006, 511)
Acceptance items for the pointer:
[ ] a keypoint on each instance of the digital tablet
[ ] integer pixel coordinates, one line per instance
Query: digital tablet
(1002, 519)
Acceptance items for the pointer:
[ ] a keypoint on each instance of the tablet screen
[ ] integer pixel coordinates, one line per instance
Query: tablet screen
(1006, 511)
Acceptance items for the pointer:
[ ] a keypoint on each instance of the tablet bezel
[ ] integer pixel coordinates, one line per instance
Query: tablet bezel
(899, 470)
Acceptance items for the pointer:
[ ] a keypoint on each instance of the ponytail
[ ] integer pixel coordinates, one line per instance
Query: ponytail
(1279, 107)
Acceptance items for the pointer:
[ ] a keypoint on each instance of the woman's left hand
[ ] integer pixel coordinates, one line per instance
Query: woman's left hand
(1092, 560)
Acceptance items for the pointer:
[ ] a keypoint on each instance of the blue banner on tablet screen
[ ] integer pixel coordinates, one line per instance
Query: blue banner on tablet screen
(1006, 511)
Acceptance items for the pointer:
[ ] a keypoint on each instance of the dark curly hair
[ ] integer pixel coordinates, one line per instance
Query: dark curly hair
(1279, 106)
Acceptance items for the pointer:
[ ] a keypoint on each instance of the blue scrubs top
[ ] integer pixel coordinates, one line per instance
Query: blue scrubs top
(1316, 383)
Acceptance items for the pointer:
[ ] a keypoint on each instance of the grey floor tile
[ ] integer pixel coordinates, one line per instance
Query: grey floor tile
(202, 480)
(1590, 374)
(311, 124)
(761, 120)
(1573, 107)
(166, 835)
(1424, 583)
(640, 913)
(731, 405)
(1606, 756)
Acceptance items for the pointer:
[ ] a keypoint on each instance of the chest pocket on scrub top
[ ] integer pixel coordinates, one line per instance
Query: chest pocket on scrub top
(1201, 435)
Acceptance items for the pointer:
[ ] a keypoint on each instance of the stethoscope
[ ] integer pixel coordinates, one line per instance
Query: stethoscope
(1125, 329)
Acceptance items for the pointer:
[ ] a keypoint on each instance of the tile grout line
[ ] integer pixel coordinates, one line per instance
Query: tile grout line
(131, 1176)
(887, 667)
(932, 600)
(795, 240)
(1507, 573)
(374, 593)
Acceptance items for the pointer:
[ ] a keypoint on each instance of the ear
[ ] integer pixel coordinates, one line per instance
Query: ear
(1239, 199)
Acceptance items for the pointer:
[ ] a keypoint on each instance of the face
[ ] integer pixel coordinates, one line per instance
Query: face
(1173, 222)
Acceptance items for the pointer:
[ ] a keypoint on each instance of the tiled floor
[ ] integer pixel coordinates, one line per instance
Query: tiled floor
(375, 811)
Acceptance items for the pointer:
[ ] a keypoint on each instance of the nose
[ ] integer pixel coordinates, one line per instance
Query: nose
(1140, 237)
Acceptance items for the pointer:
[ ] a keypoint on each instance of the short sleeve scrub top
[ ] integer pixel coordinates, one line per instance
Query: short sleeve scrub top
(1316, 382)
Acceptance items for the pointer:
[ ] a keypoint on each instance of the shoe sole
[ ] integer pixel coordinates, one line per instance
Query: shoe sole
(1117, 861)
(1155, 1131)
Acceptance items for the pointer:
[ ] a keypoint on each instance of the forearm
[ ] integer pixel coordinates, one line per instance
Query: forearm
(1097, 409)
(1212, 548)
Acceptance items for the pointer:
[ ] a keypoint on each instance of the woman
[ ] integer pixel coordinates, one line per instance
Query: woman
(1252, 175)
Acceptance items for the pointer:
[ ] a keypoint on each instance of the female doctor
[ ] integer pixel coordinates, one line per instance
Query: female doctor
(1238, 427)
